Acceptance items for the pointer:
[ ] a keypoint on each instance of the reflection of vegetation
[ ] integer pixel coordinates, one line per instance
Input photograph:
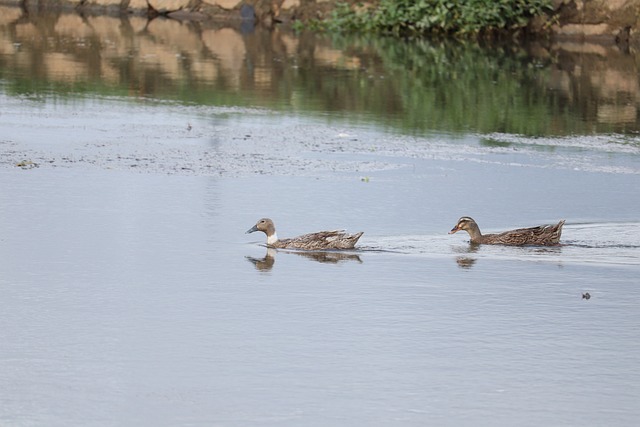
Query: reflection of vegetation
(463, 86)
(34, 87)
(454, 86)
(411, 17)
(414, 86)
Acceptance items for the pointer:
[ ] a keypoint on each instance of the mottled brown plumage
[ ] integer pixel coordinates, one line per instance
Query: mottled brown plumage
(336, 239)
(544, 235)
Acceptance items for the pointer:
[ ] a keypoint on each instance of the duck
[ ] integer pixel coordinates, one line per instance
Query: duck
(544, 235)
(336, 239)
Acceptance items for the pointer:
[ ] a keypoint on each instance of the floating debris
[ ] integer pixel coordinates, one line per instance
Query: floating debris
(586, 295)
(27, 164)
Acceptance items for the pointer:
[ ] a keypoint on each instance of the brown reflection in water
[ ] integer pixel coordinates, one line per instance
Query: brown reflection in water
(329, 257)
(202, 61)
(602, 80)
(149, 56)
(267, 262)
(466, 261)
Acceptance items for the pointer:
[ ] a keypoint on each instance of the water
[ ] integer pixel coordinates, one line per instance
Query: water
(129, 298)
(415, 87)
(131, 295)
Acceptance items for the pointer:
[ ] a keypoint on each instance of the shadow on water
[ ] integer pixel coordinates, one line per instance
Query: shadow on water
(416, 86)
(267, 262)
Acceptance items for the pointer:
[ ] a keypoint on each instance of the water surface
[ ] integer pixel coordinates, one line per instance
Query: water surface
(131, 295)
(539, 88)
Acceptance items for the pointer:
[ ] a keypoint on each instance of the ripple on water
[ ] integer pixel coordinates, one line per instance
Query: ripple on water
(593, 243)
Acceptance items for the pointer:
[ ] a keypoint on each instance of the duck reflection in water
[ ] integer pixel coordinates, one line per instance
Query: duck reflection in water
(326, 257)
(465, 260)
(265, 263)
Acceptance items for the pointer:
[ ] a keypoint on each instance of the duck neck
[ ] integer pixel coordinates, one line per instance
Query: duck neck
(474, 232)
(272, 238)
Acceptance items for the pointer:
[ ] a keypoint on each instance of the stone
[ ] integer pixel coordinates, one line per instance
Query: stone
(102, 3)
(164, 6)
(9, 15)
(289, 4)
(584, 30)
(138, 5)
(225, 4)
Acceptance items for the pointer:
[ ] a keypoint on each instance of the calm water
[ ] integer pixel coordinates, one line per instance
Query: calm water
(131, 295)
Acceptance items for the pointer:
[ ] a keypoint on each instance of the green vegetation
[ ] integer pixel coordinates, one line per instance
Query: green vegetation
(421, 17)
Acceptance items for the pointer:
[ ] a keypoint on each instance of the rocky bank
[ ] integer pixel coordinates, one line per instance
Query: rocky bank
(607, 20)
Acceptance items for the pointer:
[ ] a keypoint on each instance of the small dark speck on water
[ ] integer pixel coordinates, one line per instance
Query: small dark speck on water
(586, 295)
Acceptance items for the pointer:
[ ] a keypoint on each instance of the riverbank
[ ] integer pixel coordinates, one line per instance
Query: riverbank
(595, 20)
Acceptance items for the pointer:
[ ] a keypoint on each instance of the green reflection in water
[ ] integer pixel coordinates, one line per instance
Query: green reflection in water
(415, 86)
(463, 87)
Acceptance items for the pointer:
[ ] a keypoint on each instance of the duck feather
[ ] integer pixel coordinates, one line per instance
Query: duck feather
(333, 239)
(543, 235)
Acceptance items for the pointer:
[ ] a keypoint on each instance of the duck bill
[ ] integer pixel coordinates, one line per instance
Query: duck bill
(252, 229)
(454, 229)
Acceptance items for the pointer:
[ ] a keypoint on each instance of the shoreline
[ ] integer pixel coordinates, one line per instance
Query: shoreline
(571, 20)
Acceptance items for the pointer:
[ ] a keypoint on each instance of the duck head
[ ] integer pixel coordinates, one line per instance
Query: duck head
(465, 223)
(267, 227)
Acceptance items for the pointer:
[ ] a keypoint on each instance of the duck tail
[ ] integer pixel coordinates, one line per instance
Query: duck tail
(558, 231)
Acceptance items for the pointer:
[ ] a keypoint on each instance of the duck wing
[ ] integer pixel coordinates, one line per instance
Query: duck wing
(545, 235)
(334, 239)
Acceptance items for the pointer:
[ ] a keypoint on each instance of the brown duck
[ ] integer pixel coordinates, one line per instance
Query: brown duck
(544, 235)
(336, 239)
